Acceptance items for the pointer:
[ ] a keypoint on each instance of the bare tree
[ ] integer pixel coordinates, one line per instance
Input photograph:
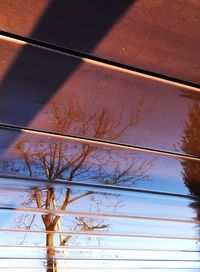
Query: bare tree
(55, 158)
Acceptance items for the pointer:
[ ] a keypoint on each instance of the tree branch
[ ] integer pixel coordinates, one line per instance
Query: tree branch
(80, 196)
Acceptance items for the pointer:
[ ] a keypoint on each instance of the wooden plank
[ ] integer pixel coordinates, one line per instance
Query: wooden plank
(159, 36)
(45, 90)
(54, 158)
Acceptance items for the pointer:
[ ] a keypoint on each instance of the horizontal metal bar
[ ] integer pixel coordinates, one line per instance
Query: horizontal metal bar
(77, 248)
(98, 259)
(89, 214)
(74, 269)
(100, 269)
(93, 233)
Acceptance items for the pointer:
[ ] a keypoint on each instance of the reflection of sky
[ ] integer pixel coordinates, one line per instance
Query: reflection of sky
(105, 247)
(162, 128)
(163, 173)
(166, 176)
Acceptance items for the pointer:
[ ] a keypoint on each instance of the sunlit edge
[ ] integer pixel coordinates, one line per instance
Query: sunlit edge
(106, 65)
(90, 214)
(110, 144)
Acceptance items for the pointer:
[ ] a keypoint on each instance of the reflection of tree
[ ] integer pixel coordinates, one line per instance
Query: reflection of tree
(190, 144)
(54, 158)
(87, 223)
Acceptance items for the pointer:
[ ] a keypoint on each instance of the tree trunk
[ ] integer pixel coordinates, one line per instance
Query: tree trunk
(51, 262)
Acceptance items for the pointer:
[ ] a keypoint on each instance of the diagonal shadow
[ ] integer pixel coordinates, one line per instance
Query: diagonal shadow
(78, 24)
(36, 74)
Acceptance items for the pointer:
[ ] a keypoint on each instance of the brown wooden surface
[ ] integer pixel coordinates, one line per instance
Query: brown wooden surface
(54, 92)
(47, 157)
(159, 36)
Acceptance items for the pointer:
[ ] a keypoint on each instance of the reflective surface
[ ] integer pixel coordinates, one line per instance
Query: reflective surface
(49, 157)
(137, 33)
(64, 94)
(51, 215)
(69, 226)
(99, 164)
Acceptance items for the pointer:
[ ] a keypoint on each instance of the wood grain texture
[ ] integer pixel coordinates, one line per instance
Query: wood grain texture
(55, 92)
(158, 36)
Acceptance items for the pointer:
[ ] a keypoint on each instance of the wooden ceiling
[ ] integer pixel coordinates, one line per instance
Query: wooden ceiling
(100, 103)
